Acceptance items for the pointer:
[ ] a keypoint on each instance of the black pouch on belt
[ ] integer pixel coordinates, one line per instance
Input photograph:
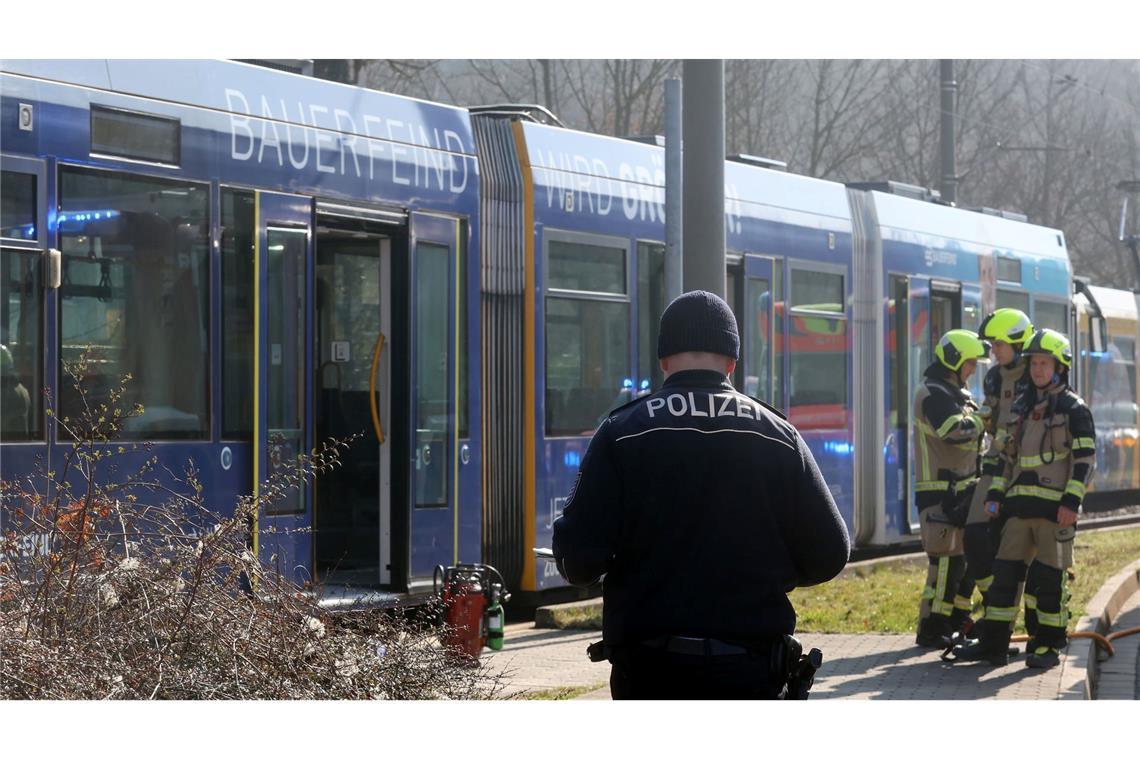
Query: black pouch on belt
(793, 669)
(953, 505)
(961, 509)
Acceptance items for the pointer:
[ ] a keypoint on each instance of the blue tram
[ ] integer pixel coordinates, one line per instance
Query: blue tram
(278, 260)
(275, 260)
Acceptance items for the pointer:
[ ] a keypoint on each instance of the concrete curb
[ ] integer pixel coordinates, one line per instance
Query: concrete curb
(1080, 674)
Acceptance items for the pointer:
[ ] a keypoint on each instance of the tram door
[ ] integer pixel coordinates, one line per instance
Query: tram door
(282, 398)
(353, 338)
(908, 349)
(945, 309)
(930, 309)
(760, 368)
(435, 458)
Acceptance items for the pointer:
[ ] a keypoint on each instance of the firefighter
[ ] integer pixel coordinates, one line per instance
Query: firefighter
(1044, 474)
(703, 508)
(948, 434)
(1008, 330)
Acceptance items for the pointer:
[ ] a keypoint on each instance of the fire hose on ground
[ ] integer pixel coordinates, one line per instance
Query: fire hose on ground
(1104, 642)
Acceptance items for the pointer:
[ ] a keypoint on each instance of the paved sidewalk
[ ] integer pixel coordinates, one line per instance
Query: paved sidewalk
(855, 666)
(1119, 676)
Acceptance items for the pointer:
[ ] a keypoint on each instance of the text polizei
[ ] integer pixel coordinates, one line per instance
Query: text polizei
(690, 404)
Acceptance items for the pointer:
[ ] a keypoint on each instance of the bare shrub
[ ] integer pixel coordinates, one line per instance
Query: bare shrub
(128, 586)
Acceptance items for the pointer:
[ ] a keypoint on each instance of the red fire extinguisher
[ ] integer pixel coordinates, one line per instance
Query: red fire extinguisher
(469, 598)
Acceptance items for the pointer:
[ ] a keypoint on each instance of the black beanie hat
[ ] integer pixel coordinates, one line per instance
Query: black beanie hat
(698, 321)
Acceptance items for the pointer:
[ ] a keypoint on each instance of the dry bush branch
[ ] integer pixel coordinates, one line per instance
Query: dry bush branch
(135, 589)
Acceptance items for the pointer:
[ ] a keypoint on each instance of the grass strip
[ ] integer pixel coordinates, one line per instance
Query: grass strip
(883, 598)
(566, 692)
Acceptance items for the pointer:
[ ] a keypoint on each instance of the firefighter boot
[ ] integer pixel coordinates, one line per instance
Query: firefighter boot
(933, 632)
(992, 645)
(960, 620)
(980, 650)
(1043, 658)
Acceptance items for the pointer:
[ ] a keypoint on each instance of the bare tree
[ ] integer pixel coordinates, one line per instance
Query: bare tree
(1048, 138)
(841, 115)
(757, 99)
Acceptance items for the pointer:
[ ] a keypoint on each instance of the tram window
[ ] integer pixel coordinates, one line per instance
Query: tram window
(21, 346)
(17, 205)
(817, 351)
(778, 340)
(1112, 383)
(733, 279)
(586, 268)
(135, 135)
(462, 358)
(431, 387)
(1009, 269)
(818, 291)
(1054, 316)
(818, 365)
(897, 342)
(971, 316)
(587, 362)
(237, 314)
(758, 356)
(135, 292)
(1012, 299)
(1125, 348)
(650, 305)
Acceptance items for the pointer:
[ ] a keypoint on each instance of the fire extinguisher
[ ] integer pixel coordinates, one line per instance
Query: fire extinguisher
(494, 616)
(472, 608)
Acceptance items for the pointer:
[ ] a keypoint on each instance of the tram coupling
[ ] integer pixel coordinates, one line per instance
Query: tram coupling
(473, 598)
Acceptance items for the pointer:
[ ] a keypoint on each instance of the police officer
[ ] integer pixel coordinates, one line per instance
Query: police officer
(702, 507)
(1039, 490)
(948, 433)
(1008, 330)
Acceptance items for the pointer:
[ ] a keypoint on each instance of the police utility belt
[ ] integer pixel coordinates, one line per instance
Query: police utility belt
(789, 665)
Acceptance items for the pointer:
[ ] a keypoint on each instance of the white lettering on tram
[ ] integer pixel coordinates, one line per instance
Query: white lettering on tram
(580, 185)
(312, 137)
(239, 125)
(266, 126)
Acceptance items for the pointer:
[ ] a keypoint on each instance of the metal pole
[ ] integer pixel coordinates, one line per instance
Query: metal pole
(673, 185)
(1130, 228)
(949, 101)
(703, 168)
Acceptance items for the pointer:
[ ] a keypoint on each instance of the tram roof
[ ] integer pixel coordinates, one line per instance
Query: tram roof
(1114, 304)
(562, 149)
(924, 218)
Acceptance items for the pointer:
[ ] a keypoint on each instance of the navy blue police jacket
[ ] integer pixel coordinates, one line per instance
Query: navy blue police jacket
(703, 508)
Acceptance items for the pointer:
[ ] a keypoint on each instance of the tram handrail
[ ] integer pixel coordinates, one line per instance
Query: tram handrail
(372, 389)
